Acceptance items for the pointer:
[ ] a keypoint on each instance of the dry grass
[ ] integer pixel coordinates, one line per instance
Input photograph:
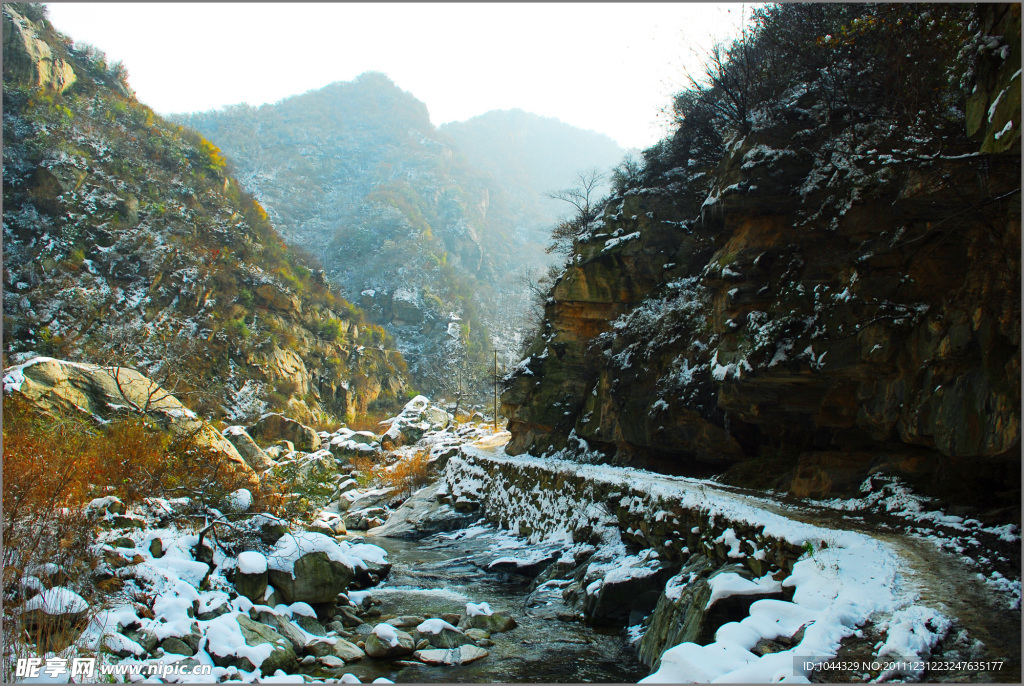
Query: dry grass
(371, 420)
(52, 466)
(405, 475)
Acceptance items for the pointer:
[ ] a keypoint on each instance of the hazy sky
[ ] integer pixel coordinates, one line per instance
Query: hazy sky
(609, 67)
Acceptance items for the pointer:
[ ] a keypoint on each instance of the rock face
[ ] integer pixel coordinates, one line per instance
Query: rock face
(58, 386)
(762, 306)
(29, 59)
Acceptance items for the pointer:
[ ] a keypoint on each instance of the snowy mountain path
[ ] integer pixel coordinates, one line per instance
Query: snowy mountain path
(950, 584)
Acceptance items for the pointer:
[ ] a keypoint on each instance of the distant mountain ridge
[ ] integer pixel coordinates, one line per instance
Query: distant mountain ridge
(430, 229)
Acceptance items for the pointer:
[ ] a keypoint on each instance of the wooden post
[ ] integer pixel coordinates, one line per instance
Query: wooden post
(495, 391)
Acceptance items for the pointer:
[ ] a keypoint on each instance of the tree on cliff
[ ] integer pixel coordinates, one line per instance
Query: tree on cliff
(584, 197)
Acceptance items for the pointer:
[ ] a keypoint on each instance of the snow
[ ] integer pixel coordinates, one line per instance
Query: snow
(612, 242)
(435, 626)
(240, 500)
(119, 642)
(57, 601)
(386, 633)
(1005, 130)
(369, 553)
(357, 597)
(913, 631)
(478, 609)
(291, 547)
(252, 562)
(847, 578)
(224, 637)
(298, 608)
(731, 584)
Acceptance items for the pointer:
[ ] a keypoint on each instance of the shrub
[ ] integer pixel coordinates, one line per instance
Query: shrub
(329, 329)
(54, 464)
(237, 329)
(408, 474)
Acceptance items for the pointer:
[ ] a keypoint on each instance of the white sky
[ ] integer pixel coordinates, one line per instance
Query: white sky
(609, 67)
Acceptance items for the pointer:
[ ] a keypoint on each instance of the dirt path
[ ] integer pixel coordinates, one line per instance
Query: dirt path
(942, 580)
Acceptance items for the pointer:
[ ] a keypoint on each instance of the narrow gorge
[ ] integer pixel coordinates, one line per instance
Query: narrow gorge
(758, 421)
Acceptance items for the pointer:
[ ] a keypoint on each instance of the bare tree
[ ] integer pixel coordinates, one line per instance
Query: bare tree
(584, 197)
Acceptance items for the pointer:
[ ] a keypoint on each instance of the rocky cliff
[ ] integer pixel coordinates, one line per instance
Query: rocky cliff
(127, 242)
(799, 289)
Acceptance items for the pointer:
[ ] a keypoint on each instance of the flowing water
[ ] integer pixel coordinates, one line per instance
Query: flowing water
(442, 573)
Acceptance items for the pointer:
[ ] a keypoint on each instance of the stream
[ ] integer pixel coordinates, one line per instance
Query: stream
(442, 573)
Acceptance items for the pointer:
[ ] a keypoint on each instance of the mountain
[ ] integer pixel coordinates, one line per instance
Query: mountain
(530, 156)
(432, 231)
(127, 241)
(816, 277)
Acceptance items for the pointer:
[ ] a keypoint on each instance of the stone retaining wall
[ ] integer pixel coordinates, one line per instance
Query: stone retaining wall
(676, 517)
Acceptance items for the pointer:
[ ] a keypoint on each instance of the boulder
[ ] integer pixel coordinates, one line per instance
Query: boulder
(480, 616)
(392, 439)
(416, 418)
(309, 567)
(276, 427)
(251, 578)
(177, 646)
(345, 443)
(247, 448)
(329, 523)
(147, 639)
(385, 641)
(372, 572)
(347, 616)
(270, 528)
(281, 625)
(237, 634)
(440, 634)
(621, 589)
(406, 621)
(362, 520)
(457, 656)
(348, 651)
(122, 646)
(421, 516)
(311, 625)
(56, 386)
(277, 452)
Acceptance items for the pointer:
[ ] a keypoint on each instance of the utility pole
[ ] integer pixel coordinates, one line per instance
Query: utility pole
(495, 390)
